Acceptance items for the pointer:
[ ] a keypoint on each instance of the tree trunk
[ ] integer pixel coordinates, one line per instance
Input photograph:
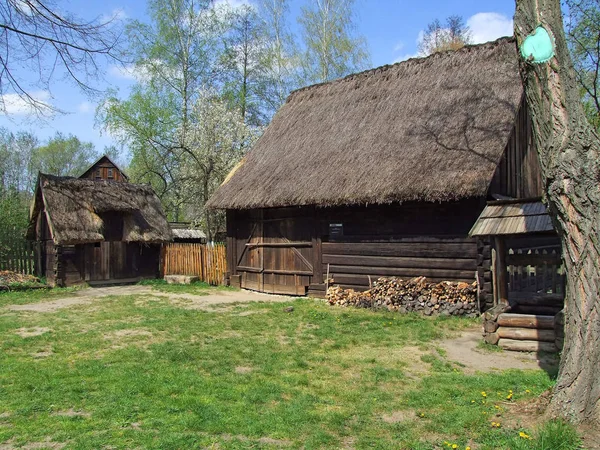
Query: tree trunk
(569, 153)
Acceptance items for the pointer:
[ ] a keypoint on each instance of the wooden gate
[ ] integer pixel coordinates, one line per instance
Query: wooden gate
(277, 254)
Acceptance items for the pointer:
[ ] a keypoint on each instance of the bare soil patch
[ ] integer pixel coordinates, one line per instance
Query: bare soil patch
(212, 302)
(42, 354)
(45, 445)
(398, 416)
(31, 332)
(71, 413)
(463, 350)
(243, 370)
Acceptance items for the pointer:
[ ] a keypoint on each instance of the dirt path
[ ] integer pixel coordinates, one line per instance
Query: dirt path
(211, 302)
(463, 349)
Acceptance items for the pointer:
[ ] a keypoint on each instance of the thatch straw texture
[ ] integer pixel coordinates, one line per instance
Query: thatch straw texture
(430, 129)
(75, 207)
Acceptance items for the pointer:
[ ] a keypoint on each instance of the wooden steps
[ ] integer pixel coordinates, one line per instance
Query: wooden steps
(526, 332)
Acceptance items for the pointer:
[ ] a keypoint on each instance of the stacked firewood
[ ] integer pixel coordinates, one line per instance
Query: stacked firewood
(415, 295)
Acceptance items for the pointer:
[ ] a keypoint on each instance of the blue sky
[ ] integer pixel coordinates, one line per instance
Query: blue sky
(391, 28)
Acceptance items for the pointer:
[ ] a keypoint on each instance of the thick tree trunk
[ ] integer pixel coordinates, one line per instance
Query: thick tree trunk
(569, 152)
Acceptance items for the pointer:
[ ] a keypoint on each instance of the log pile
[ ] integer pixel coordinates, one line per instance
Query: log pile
(520, 332)
(415, 295)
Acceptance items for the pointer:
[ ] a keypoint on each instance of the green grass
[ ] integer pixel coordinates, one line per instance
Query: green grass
(196, 288)
(33, 295)
(140, 372)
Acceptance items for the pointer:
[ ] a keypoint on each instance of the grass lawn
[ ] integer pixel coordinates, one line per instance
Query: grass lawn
(142, 372)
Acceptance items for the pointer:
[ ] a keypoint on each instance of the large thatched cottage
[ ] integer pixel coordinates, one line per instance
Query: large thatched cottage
(96, 231)
(382, 173)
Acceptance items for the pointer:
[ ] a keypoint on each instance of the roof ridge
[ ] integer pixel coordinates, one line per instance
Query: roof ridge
(408, 62)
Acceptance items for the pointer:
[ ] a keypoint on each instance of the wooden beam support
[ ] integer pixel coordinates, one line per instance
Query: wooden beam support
(501, 277)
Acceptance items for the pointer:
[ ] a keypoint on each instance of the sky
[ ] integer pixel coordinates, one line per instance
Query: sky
(390, 27)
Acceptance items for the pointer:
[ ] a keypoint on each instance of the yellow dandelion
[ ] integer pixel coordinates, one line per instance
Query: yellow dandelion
(483, 394)
(454, 446)
(528, 391)
(524, 435)
(467, 448)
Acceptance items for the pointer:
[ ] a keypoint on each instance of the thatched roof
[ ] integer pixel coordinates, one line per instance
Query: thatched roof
(513, 217)
(430, 129)
(74, 209)
(184, 230)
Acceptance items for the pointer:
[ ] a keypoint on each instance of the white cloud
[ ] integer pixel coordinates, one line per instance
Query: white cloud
(399, 46)
(233, 3)
(123, 72)
(116, 15)
(23, 7)
(15, 105)
(489, 26)
(85, 107)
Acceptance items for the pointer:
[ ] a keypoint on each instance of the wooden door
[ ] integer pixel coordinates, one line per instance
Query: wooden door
(277, 254)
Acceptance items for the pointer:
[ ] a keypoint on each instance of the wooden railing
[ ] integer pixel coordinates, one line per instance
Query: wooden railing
(206, 261)
(19, 255)
(535, 270)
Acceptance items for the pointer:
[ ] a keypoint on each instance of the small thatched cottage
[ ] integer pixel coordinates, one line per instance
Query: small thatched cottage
(382, 173)
(96, 231)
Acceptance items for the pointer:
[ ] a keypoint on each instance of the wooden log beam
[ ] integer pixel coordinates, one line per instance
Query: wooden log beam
(526, 334)
(526, 321)
(501, 271)
(491, 338)
(526, 346)
(537, 310)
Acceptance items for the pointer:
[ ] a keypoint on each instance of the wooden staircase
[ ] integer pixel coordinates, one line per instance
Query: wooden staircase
(526, 332)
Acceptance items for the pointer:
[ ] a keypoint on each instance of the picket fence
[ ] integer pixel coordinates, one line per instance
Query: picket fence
(19, 255)
(206, 261)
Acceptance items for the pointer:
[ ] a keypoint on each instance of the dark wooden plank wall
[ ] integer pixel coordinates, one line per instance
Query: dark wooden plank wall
(518, 174)
(409, 240)
(102, 168)
(271, 250)
(103, 261)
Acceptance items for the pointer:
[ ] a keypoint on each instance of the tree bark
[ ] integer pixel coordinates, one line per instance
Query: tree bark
(569, 153)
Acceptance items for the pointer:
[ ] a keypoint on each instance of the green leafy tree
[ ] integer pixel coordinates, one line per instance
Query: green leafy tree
(64, 156)
(582, 24)
(452, 35)
(333, 49)
(16, 182)
(246, 48)
(175, 57)
(216, 141)
(282, 60)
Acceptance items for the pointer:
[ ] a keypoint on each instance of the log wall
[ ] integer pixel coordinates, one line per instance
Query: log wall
(406, 241)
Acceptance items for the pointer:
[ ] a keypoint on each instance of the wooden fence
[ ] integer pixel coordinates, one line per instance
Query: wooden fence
(206, 261)
(535, 270)
(19, 255)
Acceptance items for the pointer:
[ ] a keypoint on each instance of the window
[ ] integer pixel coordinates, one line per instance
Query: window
(110, 174)
(98, 173)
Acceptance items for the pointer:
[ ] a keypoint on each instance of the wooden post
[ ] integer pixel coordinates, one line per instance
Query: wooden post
(494, 276)
(501, 280)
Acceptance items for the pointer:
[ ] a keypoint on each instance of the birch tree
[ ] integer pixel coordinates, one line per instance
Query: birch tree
(583, 37)
(333, 49)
